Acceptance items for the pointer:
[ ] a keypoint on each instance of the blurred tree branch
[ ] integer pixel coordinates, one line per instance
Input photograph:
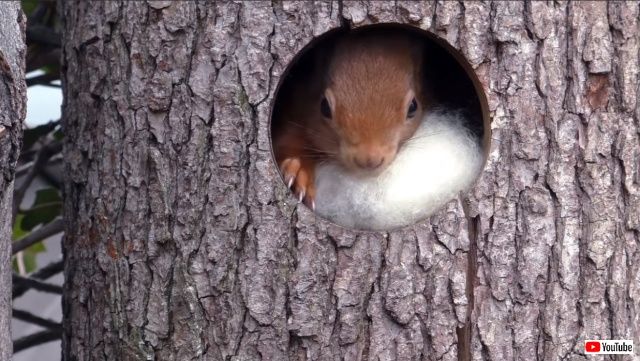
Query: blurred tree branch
(19, 288)
(44, 79)
(36, 284)
(38, 235)
(35, 339)
(31, 318)
(45, 153)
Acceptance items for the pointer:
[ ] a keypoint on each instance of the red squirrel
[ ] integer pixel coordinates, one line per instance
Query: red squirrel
(364, 100)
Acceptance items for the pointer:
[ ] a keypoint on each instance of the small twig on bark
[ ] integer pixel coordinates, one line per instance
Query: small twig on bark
(42, 274)
(35, 339)
(35, 284)
(36, 320)
(48, 230)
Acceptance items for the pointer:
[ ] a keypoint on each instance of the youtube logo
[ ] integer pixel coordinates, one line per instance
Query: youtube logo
(608, 347)
(592, 346)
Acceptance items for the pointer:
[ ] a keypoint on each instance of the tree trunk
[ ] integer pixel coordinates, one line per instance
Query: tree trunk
(183, 243)
(13, 99)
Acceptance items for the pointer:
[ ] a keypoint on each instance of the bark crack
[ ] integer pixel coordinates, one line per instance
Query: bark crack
(464, 333)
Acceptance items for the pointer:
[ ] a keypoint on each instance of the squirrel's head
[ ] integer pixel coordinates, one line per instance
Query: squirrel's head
(373, 99)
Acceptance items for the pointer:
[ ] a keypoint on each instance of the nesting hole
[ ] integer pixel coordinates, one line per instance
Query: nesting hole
(320, 117)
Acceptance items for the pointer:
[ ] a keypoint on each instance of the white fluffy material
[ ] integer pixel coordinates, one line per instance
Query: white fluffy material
(442, 159)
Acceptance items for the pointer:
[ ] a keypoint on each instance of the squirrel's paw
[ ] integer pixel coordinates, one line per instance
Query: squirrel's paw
(299, 176)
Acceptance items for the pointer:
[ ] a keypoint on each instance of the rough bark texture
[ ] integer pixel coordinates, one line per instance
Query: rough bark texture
(13, 99)
(182, 242)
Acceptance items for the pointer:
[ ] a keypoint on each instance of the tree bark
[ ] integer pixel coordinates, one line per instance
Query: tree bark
(13, 98)
(183, 243)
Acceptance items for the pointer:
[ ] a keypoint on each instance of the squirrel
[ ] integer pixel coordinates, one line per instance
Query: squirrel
(357, 105)
(378, 129)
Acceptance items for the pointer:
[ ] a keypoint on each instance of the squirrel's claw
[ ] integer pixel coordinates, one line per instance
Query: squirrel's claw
(299, 176)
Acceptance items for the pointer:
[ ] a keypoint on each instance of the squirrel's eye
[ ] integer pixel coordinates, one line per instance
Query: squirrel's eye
(325, 109)
(413, 107)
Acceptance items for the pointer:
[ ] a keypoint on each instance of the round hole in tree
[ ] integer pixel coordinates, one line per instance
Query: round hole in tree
(378, 127)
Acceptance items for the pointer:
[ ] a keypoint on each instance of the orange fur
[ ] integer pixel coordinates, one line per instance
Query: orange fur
(369, 81)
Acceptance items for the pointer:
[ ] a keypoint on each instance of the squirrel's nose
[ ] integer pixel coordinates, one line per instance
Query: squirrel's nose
(369, 161)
